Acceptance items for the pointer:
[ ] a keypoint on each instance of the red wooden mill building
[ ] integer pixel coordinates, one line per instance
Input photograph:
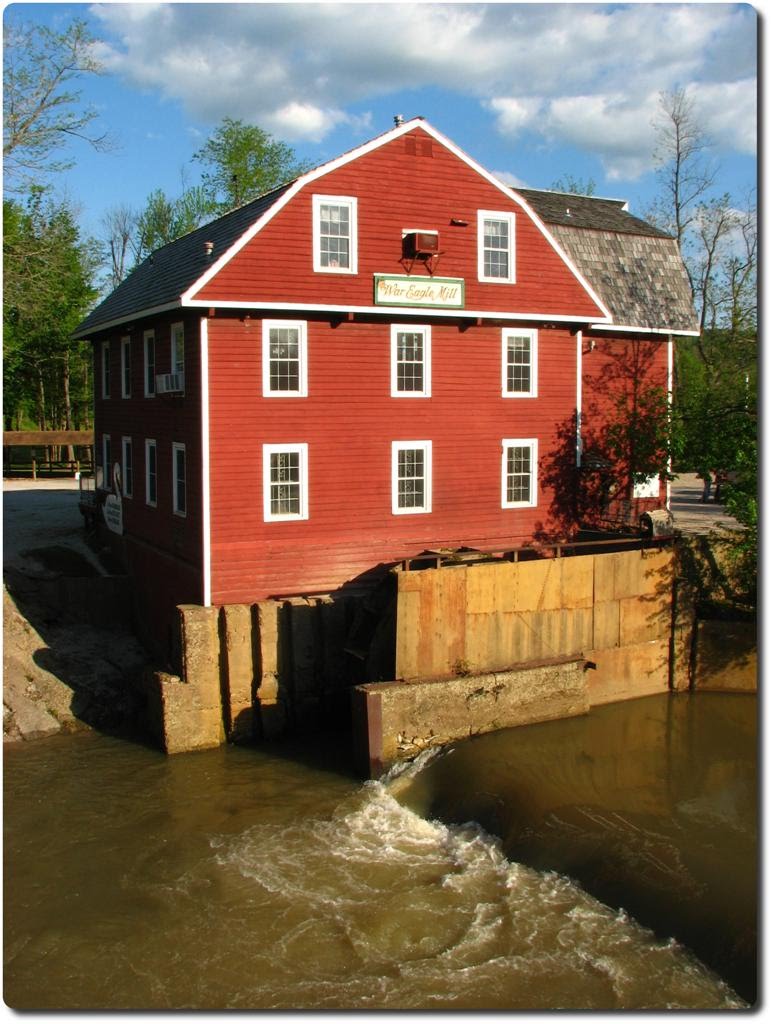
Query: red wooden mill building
(395, 352)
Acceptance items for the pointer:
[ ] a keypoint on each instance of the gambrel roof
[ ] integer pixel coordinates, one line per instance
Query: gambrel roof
(631, 270)
(634, 266)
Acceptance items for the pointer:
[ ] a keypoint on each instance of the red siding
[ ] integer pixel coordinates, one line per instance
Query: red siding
(396, 191)
(167, 419)
(349, 421)
(611, 370)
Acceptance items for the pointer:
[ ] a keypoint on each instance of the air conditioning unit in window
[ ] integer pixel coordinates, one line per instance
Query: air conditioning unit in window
(416, 244)
(169, 383)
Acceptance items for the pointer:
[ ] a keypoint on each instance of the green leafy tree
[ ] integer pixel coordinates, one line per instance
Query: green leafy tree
(47, 276)
(243, 162)
(164, 219)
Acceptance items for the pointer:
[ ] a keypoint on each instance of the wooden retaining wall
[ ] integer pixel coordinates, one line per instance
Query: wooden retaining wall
(614, 610)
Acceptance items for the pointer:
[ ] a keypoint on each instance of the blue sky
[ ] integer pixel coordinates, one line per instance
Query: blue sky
(531, 91)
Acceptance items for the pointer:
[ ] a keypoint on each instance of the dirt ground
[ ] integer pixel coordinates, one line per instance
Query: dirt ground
(63, 668)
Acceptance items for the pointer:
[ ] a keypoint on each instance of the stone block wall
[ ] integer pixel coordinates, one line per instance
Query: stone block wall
(258, 671)
(398, 720)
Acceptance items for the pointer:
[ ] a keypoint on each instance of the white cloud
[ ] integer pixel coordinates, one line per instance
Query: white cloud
(728, 111)
(584, 74)
(514, 115)
(507, 178)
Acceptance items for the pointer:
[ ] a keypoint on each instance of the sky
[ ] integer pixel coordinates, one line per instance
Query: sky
(532, 92)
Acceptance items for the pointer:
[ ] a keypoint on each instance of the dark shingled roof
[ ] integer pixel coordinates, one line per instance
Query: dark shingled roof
(586, 212)
(634, 267)
(169, 271)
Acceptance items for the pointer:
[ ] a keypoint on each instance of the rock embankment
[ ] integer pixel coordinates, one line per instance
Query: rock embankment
(70, 658)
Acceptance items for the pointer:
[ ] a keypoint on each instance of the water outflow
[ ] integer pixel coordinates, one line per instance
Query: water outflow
(247, 879)
(387, 910)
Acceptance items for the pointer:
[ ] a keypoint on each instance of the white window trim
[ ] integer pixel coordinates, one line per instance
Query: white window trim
(321, 200)
(105, 369)
(273, 449)
(151, 443)
(302, 327)
(533, 334)
(149, 379)
(174, 366)
(125, 366)
(396, 448)
(106, 471)
(424, 329)
(124, 463)
(177, 447)
(482, 216)
(520, 442)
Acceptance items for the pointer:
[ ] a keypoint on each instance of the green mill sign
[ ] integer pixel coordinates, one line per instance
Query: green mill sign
(435, 292)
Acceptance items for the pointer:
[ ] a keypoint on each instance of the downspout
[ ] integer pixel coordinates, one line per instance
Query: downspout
(579, 343)
(670, 413)
(206, 553)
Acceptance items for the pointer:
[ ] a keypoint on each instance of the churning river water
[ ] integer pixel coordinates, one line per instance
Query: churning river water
(271, 878)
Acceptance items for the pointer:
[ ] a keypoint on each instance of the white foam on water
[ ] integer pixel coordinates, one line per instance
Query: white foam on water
(384, 909)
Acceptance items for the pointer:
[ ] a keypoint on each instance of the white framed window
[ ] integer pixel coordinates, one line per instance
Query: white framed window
(125, 367)
(411, 361)
(648, 488)
(105, 369)
(127, 464)
(107, 473)
(519, 350)
(149, 347)
(285, 366)
(411, 477)
(335, 234)
(518, 472)
(285, 482)
(179, 480)
(178, 348)
(151, 473)
(496, 246)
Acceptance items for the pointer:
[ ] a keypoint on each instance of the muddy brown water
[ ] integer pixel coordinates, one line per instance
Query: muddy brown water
(272, 878)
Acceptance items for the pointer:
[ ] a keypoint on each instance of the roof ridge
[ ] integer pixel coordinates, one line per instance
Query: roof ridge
(571, 195)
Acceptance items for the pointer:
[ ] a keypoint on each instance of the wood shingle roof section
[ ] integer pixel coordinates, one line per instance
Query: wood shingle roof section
(635, 267)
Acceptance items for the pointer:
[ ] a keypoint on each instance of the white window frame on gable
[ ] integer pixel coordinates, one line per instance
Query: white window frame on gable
(411, 361)
(179, 481)
(508, 249)
(519, 362)
(105, 369)
(149, 365)
(512, 476)
(323, 260)
(285, 482)
(411, 484)
(285, 359)
(125, 367)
